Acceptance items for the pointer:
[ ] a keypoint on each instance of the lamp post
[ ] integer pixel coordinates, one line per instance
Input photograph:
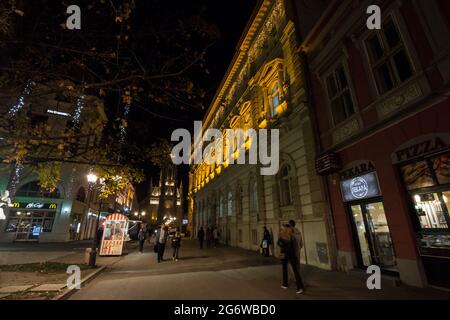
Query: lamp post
(92, 179)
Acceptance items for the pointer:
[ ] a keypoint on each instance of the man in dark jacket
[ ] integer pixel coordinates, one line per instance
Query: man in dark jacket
(201, 237)
(289, 248)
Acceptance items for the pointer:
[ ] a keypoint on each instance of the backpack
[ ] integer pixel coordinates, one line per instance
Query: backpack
(286, 246)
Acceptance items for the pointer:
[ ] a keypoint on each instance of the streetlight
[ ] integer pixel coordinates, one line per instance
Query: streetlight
(92, 180)
(136, 213)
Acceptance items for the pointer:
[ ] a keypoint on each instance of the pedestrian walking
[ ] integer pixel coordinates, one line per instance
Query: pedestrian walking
(176, 243)
(266, 242)
(161, 237)
(208, 237)
(286, 242)
(215, 237)
(142, 235)
(201, 237)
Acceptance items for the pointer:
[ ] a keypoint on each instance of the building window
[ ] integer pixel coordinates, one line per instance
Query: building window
(221, 206)
(253, 195)
(32, 189)
(239, 201)
(274, 96)
(339, 95)
(285, 185)
(81, 194)
(388, 58)
(230, 203)
(428, 182)
(254, 236)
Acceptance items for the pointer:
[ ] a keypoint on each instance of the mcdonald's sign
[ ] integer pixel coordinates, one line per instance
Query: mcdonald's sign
(34, 205)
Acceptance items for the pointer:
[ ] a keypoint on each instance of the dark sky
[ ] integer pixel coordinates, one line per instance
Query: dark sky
(230, 17)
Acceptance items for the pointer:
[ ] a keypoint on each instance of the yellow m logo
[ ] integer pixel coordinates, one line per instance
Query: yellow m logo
(16, 205)
(52, 206)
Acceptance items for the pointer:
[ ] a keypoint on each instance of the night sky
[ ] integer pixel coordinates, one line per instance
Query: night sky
(147, 125)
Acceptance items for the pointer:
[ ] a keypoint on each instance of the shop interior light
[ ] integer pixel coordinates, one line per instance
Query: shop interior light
(417, 198)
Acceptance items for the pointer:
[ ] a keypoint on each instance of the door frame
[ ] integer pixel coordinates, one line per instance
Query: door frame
(355, 238)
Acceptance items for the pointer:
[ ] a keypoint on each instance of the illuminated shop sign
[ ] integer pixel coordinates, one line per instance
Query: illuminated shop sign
(34, 205)
(420, 147)
(360, 187)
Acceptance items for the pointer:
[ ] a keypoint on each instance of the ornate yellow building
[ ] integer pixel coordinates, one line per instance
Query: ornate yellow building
(263, 88)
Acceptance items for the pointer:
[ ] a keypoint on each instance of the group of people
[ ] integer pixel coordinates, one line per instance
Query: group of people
(211, 235)
(159, 239)
(289, 240)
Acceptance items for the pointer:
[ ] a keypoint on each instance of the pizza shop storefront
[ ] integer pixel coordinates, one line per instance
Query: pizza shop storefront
(424, 165)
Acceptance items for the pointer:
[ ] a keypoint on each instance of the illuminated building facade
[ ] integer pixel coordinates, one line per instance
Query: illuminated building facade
(264, 88)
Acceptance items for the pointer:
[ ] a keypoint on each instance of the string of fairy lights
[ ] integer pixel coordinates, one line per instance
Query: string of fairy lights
(13, 111)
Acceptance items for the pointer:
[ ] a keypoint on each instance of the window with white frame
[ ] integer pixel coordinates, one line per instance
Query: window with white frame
(285, 183)
(388, 57)
(339, 94)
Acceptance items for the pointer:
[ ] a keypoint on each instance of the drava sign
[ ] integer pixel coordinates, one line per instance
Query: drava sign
(421, 146)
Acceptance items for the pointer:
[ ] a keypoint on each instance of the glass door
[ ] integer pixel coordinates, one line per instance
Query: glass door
(362, 234)
(383, 249)
(373, 235)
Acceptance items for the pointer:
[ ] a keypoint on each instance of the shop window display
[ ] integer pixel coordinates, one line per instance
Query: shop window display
(428, 182)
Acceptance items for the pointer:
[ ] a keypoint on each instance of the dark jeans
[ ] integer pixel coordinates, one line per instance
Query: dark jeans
(265, 252)
(161, 248)
(175, 252)
(201, 243)
(295, 264)
(141, 245)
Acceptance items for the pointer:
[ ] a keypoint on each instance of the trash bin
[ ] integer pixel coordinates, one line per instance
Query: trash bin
(90, 256)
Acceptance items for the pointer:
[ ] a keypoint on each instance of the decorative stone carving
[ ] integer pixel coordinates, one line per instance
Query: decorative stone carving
(346, 130)
(396, 102)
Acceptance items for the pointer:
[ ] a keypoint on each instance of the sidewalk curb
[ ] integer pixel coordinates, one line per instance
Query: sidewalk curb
(68, 292)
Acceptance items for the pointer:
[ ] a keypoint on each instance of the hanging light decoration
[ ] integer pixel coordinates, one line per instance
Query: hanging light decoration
(21, 103)
(15, 179)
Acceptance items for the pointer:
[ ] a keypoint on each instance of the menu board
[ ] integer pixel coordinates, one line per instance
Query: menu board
(441, 166)
(417, 175)
(115, 231)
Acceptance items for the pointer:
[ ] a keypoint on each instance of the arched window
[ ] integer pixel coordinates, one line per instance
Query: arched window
(81, 194)
(274, 95)
(221, 205)
(32, 189)
(230, 203)
(239, 200)
(253, 195)
(285, 185)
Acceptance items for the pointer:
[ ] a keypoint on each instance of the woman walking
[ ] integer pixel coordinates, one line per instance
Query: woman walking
(142, 235)
(176, 243)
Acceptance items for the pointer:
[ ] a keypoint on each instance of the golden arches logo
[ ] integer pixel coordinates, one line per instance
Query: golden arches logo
(16, 205)
(52, 206)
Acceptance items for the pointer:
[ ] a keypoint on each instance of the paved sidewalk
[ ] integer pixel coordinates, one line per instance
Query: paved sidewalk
(231, 273)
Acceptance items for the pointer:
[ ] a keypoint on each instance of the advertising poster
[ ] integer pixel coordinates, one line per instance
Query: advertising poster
(114, 234)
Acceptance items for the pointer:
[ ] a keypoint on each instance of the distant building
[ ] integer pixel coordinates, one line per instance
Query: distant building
(61, 215)
(165, 200)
